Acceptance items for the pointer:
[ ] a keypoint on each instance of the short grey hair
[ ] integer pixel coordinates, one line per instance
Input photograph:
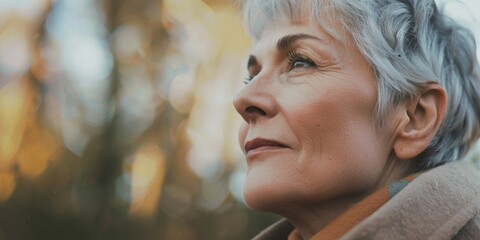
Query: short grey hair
(408, 43)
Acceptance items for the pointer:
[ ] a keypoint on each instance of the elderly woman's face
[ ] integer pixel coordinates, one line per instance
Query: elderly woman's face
(309, 133)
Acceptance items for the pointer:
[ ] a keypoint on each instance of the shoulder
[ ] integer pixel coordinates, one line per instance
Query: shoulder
(438, 204)
(471, 230)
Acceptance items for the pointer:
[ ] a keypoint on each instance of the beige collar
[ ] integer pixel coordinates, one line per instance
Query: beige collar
(436, 205)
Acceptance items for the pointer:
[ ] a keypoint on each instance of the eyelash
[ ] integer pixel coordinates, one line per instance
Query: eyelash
(292, 57)
(248, 79)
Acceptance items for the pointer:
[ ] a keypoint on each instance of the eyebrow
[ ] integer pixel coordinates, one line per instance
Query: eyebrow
(287, 41)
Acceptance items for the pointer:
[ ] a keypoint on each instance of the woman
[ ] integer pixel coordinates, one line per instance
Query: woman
(356, 113)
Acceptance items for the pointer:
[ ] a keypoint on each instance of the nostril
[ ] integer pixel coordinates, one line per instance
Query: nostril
(253, 110)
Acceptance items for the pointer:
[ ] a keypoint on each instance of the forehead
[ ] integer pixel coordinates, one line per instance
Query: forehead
(271, 38)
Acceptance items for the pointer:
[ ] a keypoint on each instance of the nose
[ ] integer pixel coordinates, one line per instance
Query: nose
(255, 101)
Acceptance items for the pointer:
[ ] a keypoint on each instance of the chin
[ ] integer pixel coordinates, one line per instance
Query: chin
(258, 201)
(264, 197)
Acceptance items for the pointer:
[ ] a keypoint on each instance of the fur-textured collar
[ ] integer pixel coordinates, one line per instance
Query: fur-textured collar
(442, 203)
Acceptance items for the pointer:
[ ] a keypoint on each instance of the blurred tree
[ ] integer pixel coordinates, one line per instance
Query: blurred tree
(127, 175)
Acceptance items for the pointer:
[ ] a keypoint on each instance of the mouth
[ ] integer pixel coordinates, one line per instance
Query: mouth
(258, 145)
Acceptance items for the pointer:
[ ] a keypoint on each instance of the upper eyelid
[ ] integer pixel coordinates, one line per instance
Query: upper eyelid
(254, 67)
(320, 57)
(298, 56)
(288, 57)
(304, 50)
(322, 52)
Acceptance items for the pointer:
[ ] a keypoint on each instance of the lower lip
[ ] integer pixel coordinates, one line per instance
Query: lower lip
(264, 149)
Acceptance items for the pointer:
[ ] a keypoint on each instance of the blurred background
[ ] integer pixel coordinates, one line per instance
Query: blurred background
(116, 119)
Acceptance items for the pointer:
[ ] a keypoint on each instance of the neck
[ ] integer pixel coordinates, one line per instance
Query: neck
(310, 218)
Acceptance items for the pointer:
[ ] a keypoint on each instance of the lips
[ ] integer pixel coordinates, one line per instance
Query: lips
(261, 145)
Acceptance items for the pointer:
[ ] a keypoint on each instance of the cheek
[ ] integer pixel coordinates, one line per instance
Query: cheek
(338, 129)
(341, 113)
(339, 144)
(327, 123)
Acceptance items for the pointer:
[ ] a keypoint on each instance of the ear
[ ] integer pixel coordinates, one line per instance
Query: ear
(420, 120)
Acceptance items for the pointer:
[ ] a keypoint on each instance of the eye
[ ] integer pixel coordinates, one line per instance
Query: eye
(296, 60)
(301, 64)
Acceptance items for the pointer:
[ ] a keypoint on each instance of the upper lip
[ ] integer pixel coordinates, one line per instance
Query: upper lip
(260, 142)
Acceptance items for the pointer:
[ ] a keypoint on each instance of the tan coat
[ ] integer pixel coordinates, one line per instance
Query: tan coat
(443, 203)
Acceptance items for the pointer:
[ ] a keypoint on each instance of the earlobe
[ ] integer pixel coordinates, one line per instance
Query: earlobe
(420, 120)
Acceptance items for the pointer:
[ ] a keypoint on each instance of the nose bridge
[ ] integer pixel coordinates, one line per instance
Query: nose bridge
(256, 100)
